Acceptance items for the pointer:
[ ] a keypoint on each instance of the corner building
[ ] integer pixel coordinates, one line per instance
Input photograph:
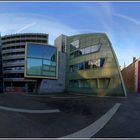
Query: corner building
(92, 66)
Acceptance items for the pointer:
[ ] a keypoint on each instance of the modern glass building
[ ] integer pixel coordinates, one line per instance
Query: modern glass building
(84, 64)
(40, 61)
(92, 66)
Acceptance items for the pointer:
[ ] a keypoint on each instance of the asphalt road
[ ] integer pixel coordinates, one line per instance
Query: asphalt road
(75, 114)
(126, 122)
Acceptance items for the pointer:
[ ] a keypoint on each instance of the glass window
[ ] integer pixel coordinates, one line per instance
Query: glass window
(49, 74)
(76, 54)
(70, 83)
(104, 83)
(97, 62)
(87, 50)
(34, 66)
(95, 48)
(75, 67)
(50, 53)
(87, 84)
(45, 73)
(46, 62)
(46, 67)
(52, 68)
(41, 60)
(74, 45)
(34, 50)
(87, 65)
(81, 83)
(94, 63)
(102, 60)
(53, 63)
(71, 47)
(81, 66)
(72, 55)
(71, 68)
(81, 52)
(42, 51)
(75, 83)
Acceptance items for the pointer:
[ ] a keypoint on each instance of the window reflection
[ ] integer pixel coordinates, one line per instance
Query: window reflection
(34, 50)
(45, 67)
(87, 65)
(49, 53)
(95, 48)
(81, 51)
(81, 66)
(87, 50)
(41, 60)
(46, 62)
(49, 74)
(79, 83)
(34, 66)
(94, 63)
(74, 45)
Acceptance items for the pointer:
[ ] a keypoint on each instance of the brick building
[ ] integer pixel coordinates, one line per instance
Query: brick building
(131, 76)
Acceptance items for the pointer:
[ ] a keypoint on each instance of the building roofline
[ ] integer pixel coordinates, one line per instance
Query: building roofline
(16, 34)
(130, 64)
(97, 33)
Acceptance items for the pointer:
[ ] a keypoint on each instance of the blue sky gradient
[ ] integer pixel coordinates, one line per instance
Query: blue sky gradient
(120, 20)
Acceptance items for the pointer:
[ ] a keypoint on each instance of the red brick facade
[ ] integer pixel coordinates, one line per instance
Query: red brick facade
(128, 74)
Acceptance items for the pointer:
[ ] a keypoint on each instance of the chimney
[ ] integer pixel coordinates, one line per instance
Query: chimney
(134, 59)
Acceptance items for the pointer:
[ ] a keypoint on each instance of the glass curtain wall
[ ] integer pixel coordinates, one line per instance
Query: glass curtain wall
(41, 60)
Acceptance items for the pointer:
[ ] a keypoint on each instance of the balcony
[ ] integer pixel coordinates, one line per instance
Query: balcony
(13, 44)
(23, 40)
(13, 56)
(13, 50)
(28, 37)
(18, 79)
(13, 71)
(5, 64)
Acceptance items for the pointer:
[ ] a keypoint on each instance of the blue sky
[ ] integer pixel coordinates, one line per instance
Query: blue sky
(120, 20)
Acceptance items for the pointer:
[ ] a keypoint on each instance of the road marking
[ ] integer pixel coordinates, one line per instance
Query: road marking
(93, 128)
(28, 110)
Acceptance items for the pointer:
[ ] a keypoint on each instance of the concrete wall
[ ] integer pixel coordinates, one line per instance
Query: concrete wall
(53, 86)
(60, 43)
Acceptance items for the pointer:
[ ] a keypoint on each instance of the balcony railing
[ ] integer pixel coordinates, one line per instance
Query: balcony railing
(18, 79)
(13, 71)
(13, 56)
(13, 50)
(5, 64)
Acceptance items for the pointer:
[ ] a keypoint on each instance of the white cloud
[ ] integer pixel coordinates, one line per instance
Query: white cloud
(26, 27)
(127, 18)
(124, 47)
(11, 23)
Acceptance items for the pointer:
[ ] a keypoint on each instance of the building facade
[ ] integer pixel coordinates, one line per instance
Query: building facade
(91, 65)
(13, 55)
(131, 76)
(46, 64)
(84, 64)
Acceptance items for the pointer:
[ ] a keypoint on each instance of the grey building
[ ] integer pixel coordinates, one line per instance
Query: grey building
(13, 54)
